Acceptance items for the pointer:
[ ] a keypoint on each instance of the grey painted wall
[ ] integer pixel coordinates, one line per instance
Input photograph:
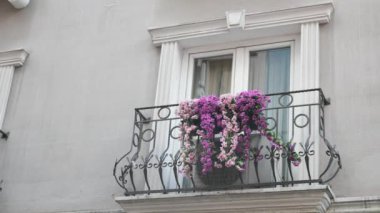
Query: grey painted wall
(71, 108)
(350, 76)
(91, 62)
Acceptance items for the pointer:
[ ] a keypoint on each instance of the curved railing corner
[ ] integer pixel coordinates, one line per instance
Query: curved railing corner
(152, 164)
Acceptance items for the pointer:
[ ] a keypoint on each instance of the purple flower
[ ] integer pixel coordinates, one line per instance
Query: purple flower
(234, 117)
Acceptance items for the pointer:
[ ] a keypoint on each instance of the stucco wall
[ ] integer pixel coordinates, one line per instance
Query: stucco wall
(350, 77)
(71, 108)
(91, 62)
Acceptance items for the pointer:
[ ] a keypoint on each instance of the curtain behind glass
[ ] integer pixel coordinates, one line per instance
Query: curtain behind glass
(269, 71)
(212, 76)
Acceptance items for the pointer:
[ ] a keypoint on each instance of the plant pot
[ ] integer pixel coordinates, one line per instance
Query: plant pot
(218, 176)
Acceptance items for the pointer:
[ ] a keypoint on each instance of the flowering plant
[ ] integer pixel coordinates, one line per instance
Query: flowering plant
(234, 117)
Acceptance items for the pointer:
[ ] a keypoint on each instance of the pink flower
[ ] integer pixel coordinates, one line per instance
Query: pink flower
(224, 145)
(218, 165)
(194, 117)
(222, 156)
(192, 156)
(230, 163)
(296, 163)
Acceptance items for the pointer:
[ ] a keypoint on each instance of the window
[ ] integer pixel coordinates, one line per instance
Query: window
(212, 76)
(269, 70)
(264, 67)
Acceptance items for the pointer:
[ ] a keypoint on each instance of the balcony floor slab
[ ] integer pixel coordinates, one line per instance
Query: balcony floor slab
(315, 198)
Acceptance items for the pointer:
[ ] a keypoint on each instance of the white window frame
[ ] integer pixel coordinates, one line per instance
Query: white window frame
(190, 68)
(240, 68)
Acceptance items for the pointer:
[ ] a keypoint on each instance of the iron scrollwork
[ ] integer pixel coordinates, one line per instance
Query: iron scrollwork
(153, 161)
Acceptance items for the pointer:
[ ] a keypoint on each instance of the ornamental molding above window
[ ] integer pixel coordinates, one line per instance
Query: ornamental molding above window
(8, 62)
(13, 58)
(262, 21)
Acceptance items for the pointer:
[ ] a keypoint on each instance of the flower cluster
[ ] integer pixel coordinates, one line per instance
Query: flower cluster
(292, 155)
(188, 112)
(208, 107)
(230, 134)
(250, 105)
(234, 117)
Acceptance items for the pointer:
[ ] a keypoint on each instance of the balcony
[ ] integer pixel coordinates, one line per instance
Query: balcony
(152, 165)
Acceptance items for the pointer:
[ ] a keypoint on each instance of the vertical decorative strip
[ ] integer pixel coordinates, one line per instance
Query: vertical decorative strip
(309, 78)
(240, 71)
(167, 92)
(6, 76)
(168, 74)
(310, 55)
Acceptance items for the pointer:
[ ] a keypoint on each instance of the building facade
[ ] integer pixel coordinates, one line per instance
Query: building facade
(72, 72)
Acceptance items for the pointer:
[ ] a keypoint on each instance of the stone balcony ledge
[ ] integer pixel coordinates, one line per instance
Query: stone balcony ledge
(314, 198)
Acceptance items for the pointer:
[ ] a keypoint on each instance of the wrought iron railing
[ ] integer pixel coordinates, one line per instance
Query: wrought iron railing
(153, 164)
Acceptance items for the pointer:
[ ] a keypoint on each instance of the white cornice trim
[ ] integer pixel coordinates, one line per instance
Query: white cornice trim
(356, 204)
(314, 13)
(14, 58)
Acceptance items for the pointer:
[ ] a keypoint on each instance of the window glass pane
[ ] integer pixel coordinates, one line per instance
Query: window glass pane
(269, 70)
(212, 76)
